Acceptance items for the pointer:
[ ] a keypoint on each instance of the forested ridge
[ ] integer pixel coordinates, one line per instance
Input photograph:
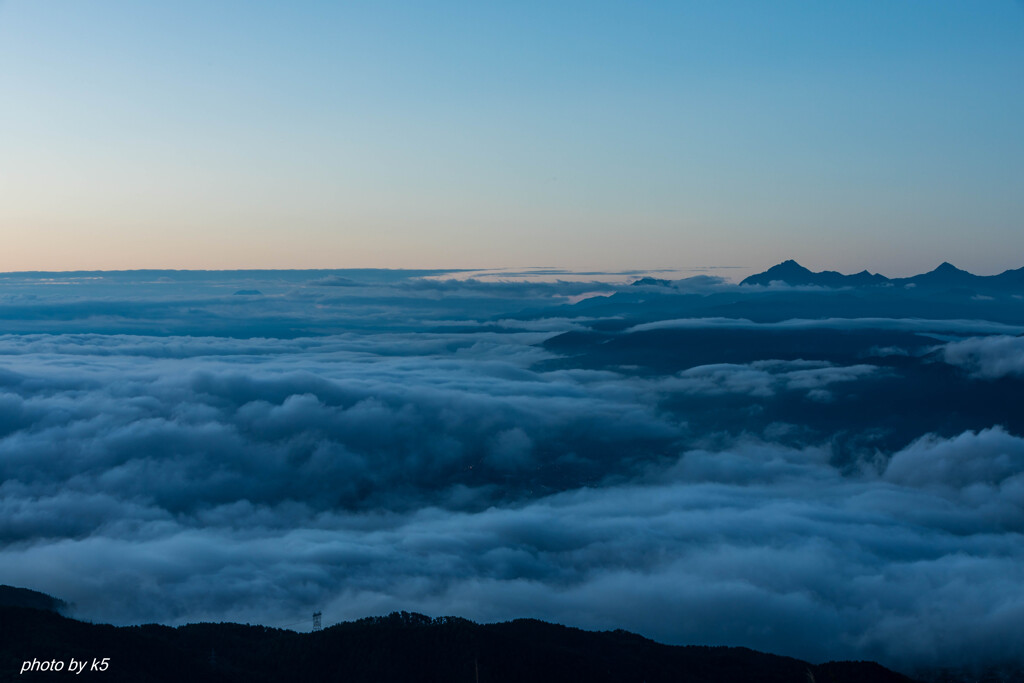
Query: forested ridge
(402, 646)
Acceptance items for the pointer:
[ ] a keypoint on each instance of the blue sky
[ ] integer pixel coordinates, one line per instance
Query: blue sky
(847, 135)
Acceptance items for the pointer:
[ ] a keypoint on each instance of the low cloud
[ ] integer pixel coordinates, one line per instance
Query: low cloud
(759, 545)
(333, 422)
(179, 479)
(987, 357)
(764, 379)
(902, 324)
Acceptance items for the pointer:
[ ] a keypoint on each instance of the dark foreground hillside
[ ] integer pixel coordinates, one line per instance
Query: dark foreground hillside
(400, 647)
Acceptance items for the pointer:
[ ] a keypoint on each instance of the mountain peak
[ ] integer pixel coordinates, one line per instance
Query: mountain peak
(789, 265)
(946, 275)
(792, 273)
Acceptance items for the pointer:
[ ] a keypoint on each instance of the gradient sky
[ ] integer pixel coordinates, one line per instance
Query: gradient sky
(196, 134)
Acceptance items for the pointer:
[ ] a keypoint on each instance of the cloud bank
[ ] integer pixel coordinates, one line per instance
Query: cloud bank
(455, 463)
(988, 357)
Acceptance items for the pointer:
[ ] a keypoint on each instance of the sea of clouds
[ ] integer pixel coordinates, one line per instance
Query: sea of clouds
(450, 463)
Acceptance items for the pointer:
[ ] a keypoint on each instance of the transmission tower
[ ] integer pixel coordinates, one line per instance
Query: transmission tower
(316, 621)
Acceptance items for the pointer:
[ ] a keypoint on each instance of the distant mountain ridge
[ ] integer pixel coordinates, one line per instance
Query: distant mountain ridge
(945, 275)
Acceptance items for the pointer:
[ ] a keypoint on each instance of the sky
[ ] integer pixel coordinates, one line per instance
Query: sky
(599, 135)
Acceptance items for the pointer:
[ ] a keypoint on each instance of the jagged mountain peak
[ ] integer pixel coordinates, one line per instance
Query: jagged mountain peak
(947, 267)
(791, 272)
(790, 265)
(944, 275)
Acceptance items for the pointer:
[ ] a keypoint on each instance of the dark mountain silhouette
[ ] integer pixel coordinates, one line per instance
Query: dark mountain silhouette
(1010, 279)
(792, 273)
(11, 596)
(400, 647)
(946, 276)
(909, 395)
(637, 305)
(652, 281)
(673, 350)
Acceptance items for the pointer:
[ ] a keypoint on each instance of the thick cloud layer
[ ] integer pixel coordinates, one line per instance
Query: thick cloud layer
(467, 468)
